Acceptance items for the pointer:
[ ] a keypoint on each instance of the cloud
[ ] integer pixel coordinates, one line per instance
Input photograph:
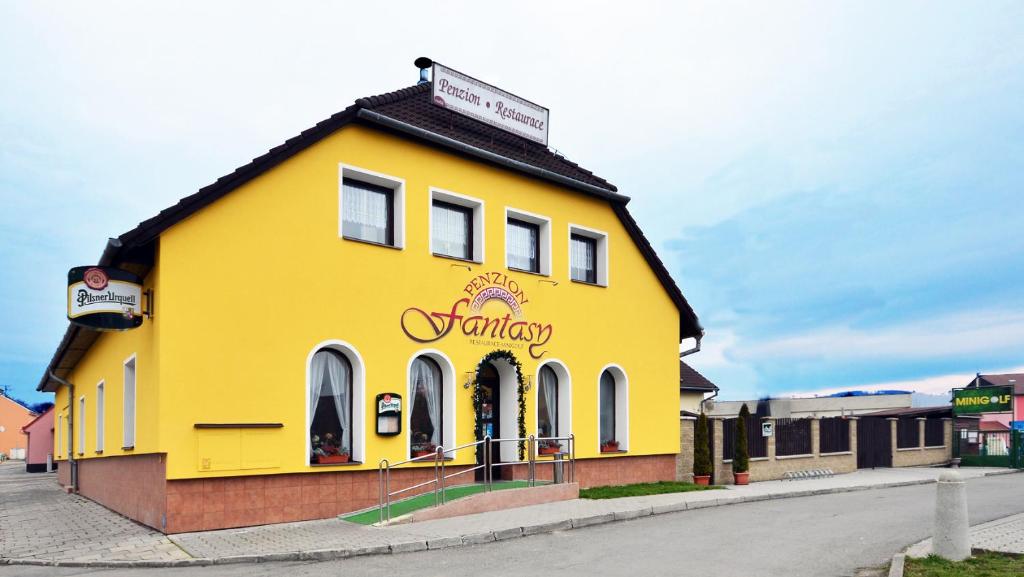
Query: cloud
(935, 385)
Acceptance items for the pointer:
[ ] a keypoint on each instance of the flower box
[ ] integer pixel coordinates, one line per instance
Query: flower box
(548, 450)
(610, 447)
(331, 459)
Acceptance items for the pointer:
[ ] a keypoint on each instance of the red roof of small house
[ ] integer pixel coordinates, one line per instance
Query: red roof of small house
(992, 426)
(33, 421)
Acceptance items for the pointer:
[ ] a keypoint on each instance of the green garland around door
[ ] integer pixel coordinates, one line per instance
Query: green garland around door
(520, 388)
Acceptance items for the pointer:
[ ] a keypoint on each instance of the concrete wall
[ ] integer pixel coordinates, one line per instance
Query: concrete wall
(815, 406)
(922, 455)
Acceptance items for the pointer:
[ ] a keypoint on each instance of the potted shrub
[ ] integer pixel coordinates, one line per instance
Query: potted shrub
(610, 446)
(422, 446)
(549, 447)
(701, 454)
(328, 450)
(740, 455)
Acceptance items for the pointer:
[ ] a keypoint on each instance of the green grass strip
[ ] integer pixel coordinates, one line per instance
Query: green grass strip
(982, 565)
(406, 506)
(639, 489)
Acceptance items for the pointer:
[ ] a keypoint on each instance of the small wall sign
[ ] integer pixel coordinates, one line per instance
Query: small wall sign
(104, 298)
(389, 414)
(767, 429)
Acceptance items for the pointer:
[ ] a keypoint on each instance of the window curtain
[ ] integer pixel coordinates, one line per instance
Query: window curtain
(583, 260)
(549, 388)
(330, 378)
(522, 246)
(450, 232)
(426, 379)
(607, 407)
(365, 210)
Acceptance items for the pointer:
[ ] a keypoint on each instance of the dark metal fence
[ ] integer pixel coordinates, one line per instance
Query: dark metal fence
(757, 444)
(792, 437)
(907, 434)
(834, 435)
(934, 433)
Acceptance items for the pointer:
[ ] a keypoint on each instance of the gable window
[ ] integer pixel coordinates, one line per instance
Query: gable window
(368, 212)
(330, 406)
(100, 394)
(583, 258)
(451, 230)
(129, 404)
(426, 422)
(547, 407)
(588, 255)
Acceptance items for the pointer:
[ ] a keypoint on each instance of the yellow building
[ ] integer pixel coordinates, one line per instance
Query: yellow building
(395, 254)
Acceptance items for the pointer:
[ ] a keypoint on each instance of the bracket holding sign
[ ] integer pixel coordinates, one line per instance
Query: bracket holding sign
(389, 414)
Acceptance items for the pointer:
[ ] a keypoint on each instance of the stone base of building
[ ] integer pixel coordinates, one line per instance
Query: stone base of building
(35, 467)
(136, 487)
(618, 470)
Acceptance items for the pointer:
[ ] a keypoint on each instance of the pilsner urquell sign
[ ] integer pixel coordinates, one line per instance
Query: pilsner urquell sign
(104, 298)
(982, 400)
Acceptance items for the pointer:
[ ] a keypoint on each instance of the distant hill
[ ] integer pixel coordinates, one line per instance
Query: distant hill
(929, 400)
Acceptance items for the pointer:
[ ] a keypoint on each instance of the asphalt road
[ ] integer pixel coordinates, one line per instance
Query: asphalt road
(810, 536)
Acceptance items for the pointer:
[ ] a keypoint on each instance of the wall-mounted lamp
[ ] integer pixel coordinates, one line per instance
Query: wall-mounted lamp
(552, 282)
(470, 379)
(527, 383)
(465, 266)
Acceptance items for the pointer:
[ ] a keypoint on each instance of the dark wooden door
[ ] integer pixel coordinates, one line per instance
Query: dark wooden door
(489, 415)
(874, 443)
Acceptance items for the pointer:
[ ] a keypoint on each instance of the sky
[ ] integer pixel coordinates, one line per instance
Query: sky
(836, 187)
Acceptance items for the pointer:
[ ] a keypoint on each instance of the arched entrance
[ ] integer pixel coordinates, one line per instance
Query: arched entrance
(500, 408)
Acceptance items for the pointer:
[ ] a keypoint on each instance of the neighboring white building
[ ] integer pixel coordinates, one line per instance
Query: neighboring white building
(693, 388)
(847, 403)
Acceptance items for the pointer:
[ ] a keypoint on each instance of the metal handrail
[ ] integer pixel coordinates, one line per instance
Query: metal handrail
(440, 477)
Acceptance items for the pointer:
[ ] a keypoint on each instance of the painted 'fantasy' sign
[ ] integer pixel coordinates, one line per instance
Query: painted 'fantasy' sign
(465, 316)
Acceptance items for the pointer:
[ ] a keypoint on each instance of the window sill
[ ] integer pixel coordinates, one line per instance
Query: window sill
(429, 461)
(99, 452)
(594, 284)
(458, 258)
(371, 242)
(615, 452)
(524, 271)
(132, 448)
(348, 464)
(837, 453)
(803, 456)
(935, 447)
(908, 448)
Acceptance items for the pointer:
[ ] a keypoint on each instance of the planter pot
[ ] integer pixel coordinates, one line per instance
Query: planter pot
(741, 478)
(331, 459)
(609, 447)
(421, 453)
(548, 450)
(704, 480)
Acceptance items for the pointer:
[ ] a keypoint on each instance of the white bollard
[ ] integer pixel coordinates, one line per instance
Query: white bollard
(952, 538)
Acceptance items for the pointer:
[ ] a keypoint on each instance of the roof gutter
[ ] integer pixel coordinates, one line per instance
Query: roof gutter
(387, 121)
(696, 349)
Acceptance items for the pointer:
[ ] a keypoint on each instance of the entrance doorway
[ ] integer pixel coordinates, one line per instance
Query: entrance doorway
(489, 416)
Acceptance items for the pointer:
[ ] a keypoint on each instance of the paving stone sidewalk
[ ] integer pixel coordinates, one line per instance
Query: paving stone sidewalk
(38, 522)
(1005, 535)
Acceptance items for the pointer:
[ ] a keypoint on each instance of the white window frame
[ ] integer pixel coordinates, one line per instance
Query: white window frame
(474, 204)
(621, 405)
(60, 435)
(564, 424)
(101, 395)
(447, 399)
(601, 246)
(355, 360)
(397, 186)
(81, 425)
(544, 233)
(128, 435)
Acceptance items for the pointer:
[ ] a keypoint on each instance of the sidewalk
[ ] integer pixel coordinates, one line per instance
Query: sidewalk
(333, 538)
(1004, 535)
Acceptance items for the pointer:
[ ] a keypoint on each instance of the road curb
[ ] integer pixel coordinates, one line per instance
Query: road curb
(896, 567)
(476, 538)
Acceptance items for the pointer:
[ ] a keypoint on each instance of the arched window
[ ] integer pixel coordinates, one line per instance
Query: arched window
(607, 396)
(330, 406)
(426, 422)
(547, 408)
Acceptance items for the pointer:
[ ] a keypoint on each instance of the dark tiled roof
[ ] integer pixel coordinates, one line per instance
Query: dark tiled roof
(409, 113)
(691, 380)
(1001, 381)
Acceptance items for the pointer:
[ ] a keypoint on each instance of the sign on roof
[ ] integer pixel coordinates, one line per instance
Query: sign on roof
(468, 96)
(982, 400)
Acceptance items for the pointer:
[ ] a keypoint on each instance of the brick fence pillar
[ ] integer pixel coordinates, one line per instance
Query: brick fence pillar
(947, 436)
(853, 434)
(770, 449)
(920, 432)
(720, 476)
(684, 461)
(893, 438)
(816, 436)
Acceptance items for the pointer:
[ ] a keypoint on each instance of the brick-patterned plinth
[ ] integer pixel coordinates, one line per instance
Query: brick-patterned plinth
(132, 485)
(225, 502)
(618, 470)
